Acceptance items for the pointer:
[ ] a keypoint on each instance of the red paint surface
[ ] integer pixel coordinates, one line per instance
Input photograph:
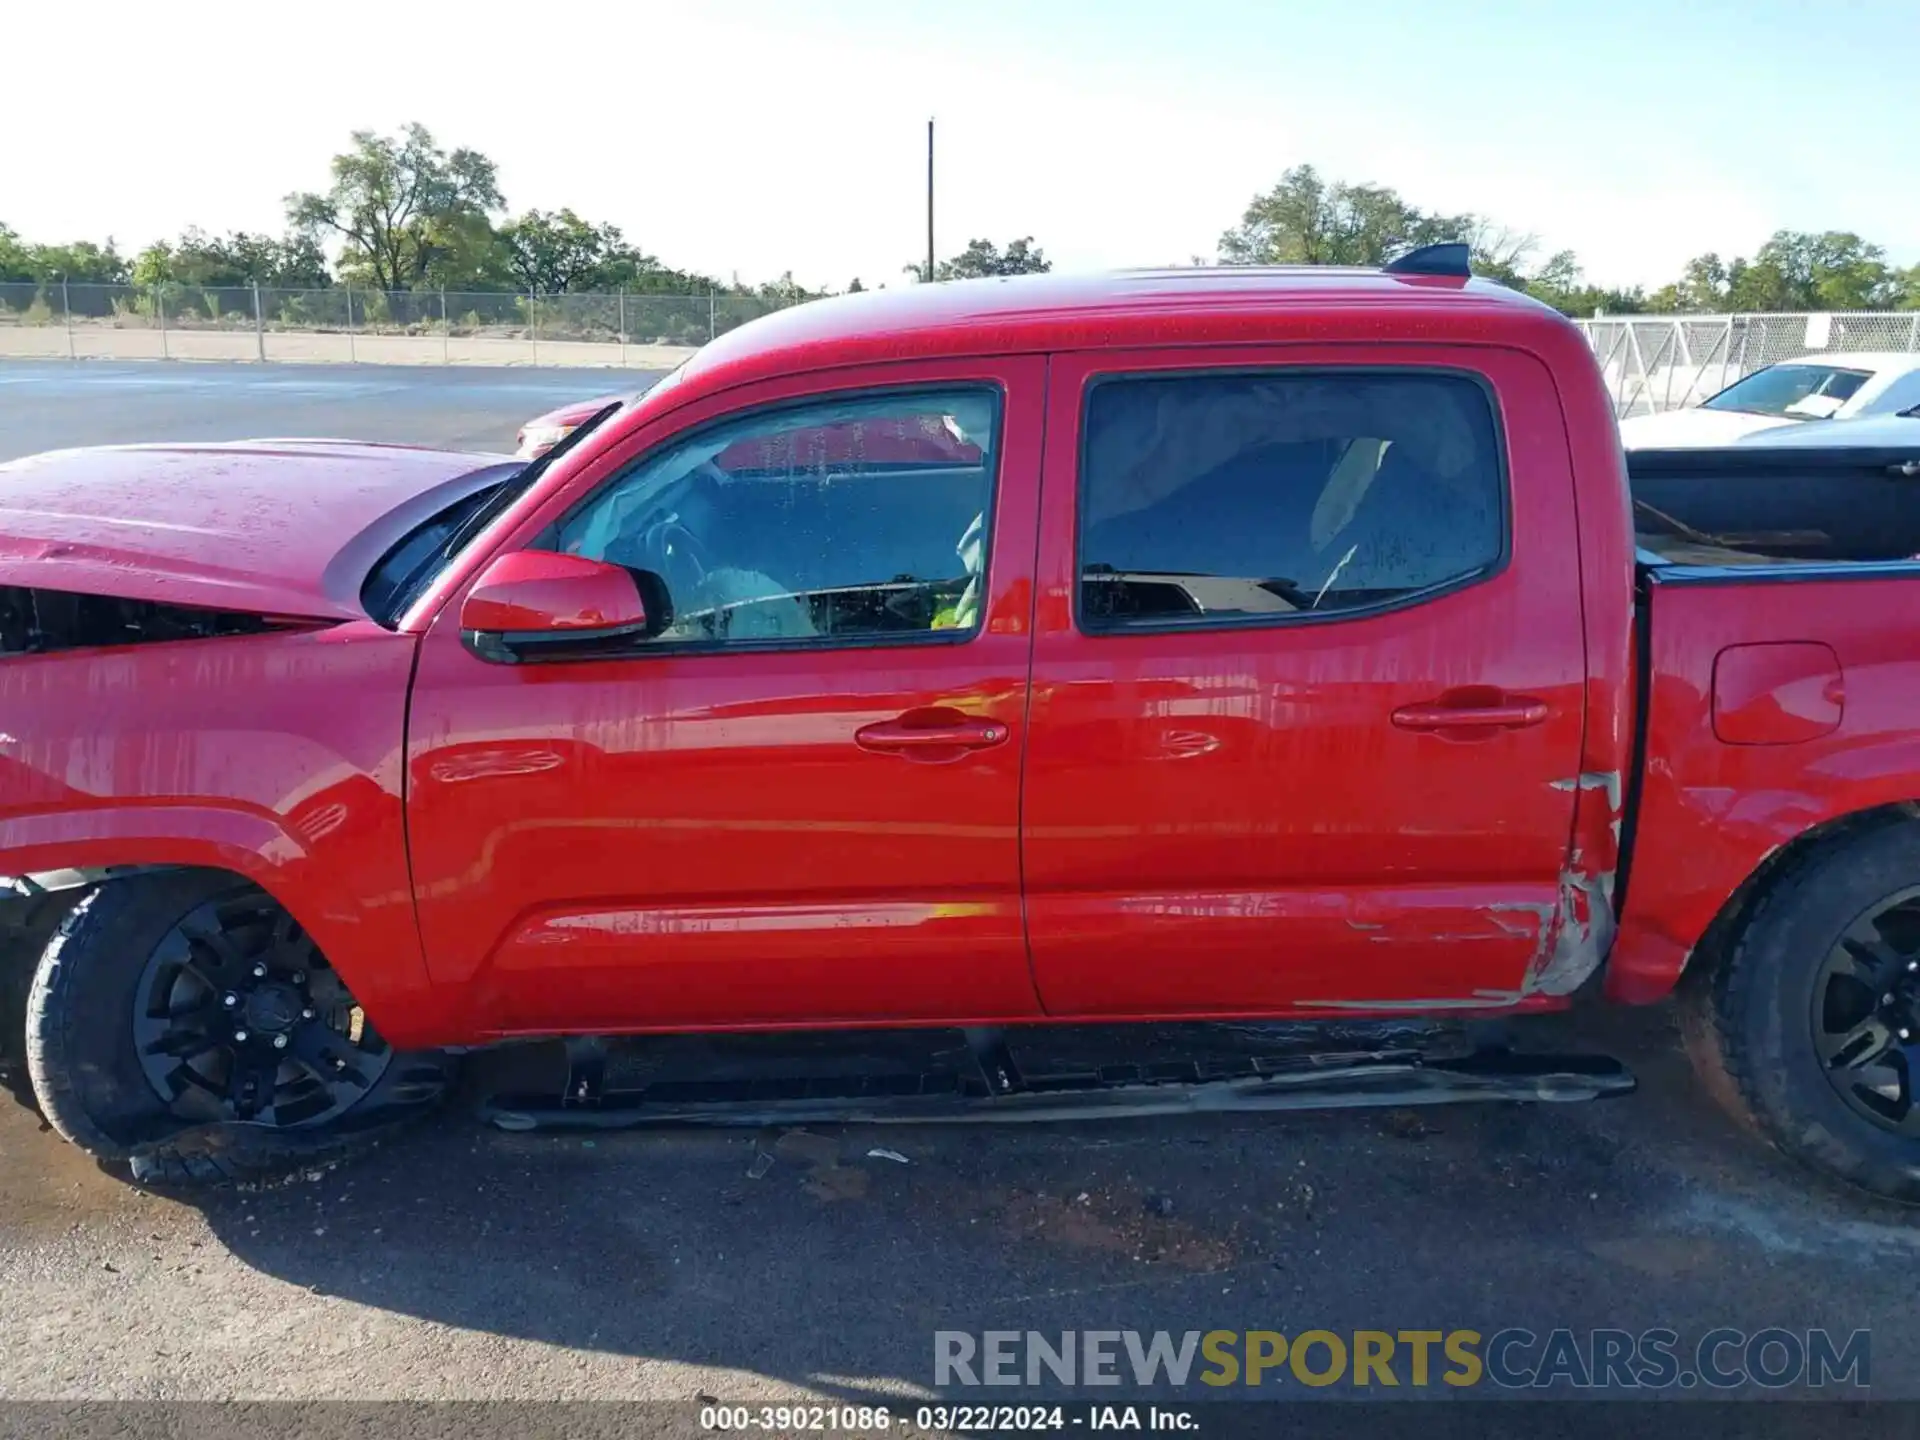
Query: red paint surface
(1710, 811)
(540, 590)
(1780, 694)
(574, 412)
(702, 839)
(1030, 823)
(285, 527)
(275, 756)
(1230, 819)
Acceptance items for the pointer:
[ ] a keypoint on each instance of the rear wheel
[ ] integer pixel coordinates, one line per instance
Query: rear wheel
(182, 1021)
(1811, 1029)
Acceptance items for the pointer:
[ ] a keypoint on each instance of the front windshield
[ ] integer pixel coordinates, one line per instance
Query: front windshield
(1794, 392)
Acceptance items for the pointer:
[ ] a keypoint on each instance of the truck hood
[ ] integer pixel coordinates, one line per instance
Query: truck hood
(274, 527)
(1684, 429)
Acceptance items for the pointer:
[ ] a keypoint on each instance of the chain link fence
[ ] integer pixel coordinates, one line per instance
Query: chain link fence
(1665, 362)
(1651, 362)
(343, 323)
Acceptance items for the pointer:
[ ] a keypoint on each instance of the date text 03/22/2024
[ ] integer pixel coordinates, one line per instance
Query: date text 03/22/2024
(943, 1419)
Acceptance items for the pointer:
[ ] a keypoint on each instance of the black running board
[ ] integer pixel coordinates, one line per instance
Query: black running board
(986, 1079)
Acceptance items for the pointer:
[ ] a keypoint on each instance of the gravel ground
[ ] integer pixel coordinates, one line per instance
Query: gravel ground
(464, 1262)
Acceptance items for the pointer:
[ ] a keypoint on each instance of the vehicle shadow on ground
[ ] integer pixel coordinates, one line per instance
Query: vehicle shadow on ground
(811, 1259)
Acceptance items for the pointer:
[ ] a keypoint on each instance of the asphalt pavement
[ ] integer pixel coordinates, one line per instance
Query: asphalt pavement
(467, 1262)
(50, 405)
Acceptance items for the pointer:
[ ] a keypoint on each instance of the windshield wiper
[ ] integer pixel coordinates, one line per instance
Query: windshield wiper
(508, 491)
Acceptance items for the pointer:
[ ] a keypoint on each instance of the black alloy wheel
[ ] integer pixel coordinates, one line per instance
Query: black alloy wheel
(1866, 1013)
(238, 1017)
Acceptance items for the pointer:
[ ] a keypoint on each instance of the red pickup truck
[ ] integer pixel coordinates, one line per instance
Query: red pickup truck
(1185, 646)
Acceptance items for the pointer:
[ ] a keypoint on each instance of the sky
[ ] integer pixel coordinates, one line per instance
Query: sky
(751, 138)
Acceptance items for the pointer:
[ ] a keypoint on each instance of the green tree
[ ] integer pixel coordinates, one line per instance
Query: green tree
(82, 262)
(983, 257)
(407, 213)
(1561, 284)
(466, 254)
(1794, 270)
(1309, 220)
(237, 261)
(555, 251)
(15, 263)
(1704, 285)
(44, 267)
(785, 291)
(1834, 270)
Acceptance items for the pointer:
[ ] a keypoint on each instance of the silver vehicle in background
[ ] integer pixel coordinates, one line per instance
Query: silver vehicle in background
(1787, 397)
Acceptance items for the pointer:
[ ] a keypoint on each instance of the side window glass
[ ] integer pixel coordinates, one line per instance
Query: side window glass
(1231, 498)
(858, 518)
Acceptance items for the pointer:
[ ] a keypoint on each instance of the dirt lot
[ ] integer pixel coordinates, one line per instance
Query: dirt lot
(467, 1262)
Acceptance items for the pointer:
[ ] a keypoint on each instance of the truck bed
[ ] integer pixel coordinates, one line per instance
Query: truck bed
(1752, 506)
(1778, 652)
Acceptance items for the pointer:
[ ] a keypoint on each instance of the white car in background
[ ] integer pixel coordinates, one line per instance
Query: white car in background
(1790, 393)
(1875, 432)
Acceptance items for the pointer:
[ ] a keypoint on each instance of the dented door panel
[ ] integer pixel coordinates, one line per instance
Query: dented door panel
(1265, 818)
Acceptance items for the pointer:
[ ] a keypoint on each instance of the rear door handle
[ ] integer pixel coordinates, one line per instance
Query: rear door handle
(914, 736)
(1515, 714)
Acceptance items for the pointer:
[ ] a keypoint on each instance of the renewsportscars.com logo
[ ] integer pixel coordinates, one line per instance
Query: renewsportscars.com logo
(1602, 1359)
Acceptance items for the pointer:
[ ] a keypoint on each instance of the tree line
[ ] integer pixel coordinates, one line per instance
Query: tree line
(1306, 219)
(403, 214)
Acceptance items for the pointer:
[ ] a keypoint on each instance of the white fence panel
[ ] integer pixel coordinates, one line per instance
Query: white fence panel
(1666, 362)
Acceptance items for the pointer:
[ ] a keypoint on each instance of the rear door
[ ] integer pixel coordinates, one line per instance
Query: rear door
(1307, 686)
(800, 803)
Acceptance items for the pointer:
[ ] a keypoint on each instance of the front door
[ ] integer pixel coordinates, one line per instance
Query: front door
(799, 803)
(1308, 681)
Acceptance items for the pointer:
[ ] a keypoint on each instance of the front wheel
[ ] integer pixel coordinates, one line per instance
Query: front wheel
(182, 1022)
(1811, 1029)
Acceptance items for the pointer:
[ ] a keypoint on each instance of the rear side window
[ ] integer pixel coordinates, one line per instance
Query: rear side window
(1258, 497)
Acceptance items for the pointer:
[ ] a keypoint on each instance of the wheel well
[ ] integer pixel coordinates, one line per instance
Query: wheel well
(31, 909)
(27, 922)
(1716, 943)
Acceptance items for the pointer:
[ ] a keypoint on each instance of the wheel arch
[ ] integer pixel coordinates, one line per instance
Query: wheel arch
(1697, 964)
(371, 940)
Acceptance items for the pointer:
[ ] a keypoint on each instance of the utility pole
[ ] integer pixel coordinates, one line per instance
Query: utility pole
(929, 202)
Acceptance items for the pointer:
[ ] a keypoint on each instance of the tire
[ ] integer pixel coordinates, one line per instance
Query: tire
(26, 925)
(1751, 1024)
(94, 1087)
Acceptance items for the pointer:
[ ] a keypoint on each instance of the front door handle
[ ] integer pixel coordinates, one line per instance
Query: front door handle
(1515, 713)
(930, 734)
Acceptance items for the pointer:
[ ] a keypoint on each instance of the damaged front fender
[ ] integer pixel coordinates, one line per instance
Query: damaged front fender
(39, 621)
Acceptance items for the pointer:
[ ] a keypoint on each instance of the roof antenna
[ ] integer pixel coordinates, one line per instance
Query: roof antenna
(1450, 257)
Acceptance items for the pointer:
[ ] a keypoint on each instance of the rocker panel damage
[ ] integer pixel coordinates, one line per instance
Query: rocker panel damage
(1573, 935)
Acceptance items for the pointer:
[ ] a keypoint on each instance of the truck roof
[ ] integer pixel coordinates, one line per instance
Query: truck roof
(1028, 313)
